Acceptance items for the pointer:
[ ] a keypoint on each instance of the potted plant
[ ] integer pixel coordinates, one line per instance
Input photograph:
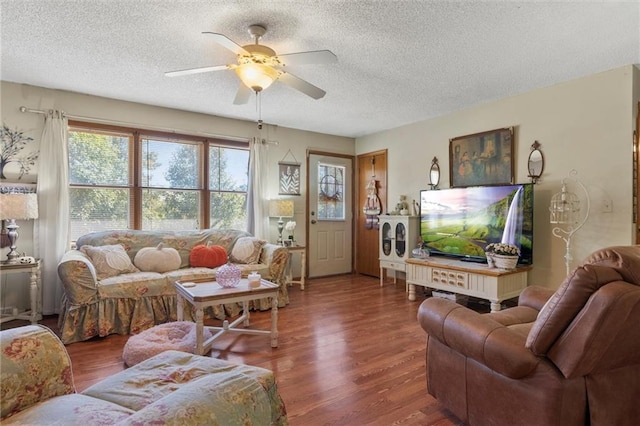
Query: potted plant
(504, 255)
(290, 227)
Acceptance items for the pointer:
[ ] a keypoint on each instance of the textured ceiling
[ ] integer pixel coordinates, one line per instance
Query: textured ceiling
(398, 61)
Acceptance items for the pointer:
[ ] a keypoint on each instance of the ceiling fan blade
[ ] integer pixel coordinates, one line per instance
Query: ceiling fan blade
(196, 70)
(226, 42)
(242, 97)
(312, 57)
(301, 85)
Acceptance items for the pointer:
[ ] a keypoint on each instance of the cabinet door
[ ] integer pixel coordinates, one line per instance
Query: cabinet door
(387, 237)
(401, 239)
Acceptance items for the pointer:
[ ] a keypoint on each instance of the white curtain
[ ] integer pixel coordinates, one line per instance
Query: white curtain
(52, 227)
(256, 203)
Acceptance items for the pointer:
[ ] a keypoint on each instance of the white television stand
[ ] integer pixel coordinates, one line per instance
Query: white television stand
(471, 279)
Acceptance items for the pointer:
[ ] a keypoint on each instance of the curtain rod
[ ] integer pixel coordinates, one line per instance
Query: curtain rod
(123, 123)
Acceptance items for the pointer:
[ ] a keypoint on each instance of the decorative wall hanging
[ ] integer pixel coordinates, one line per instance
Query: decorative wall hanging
(535, 163)
(13, 142)
(372, 208)
(289, 175)
(484, 158)
(434, 173)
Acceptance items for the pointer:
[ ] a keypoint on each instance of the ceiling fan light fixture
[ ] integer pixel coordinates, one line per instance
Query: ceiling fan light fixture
(256, 76)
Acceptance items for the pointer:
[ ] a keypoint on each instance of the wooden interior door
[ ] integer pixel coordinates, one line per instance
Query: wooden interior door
(371, 166)
(636, 175)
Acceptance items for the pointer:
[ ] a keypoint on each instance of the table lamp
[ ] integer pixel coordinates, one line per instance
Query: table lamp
(280, 209)
(17, 206)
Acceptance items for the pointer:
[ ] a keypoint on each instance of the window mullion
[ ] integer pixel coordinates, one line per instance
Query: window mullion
(136, 184)
(205, 194)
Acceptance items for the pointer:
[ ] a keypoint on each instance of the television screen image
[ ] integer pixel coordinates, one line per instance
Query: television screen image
(462, 221)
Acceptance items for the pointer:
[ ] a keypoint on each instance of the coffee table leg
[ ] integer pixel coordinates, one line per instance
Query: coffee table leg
(274, 322)
(245, 313)
(199, 331)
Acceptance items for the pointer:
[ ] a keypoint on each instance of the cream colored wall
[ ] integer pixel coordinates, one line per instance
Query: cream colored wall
(585, 124)
(13, 96)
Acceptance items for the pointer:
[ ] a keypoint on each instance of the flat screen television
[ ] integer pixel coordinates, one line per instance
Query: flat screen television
(462, 221)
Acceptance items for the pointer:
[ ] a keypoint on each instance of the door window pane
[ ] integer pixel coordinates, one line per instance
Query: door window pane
(331, 186)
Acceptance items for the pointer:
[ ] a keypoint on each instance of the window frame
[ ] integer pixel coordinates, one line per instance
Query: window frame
(135, 187)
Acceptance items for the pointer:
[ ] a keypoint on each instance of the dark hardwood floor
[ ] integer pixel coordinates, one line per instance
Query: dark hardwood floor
(350, 353)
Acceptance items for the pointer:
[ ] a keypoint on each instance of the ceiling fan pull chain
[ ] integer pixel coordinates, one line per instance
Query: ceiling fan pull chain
(259, 108)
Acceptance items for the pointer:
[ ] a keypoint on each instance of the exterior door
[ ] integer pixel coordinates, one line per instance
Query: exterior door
(371, 167)
(330, 219)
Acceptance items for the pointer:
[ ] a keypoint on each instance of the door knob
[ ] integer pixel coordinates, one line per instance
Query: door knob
(313, 222)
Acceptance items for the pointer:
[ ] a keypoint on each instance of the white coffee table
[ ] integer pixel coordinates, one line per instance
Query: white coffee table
(209, 293)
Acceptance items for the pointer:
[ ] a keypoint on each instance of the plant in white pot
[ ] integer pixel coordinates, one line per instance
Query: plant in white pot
(504, 255)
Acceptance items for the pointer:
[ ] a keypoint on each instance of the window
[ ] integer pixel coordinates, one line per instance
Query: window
(331, 192)
(170, 184)
(228, 184)
(133, 179)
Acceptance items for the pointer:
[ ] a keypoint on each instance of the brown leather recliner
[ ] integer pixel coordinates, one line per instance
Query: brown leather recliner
(570, 357)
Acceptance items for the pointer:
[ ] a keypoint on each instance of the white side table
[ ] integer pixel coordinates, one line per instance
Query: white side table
(302, 250)
(35, 291)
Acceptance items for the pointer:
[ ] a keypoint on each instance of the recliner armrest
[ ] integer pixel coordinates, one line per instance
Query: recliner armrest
(535, 297)
(477, 336)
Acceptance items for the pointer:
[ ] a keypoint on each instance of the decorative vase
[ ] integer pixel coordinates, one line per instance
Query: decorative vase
(505, 262)
(491, 263)
(228, 276)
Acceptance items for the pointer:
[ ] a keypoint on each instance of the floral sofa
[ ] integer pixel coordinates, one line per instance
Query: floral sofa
(173, 387)
(102, 298)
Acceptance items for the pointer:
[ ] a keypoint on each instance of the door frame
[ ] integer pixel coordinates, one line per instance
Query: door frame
(382, 196)
(307, 206)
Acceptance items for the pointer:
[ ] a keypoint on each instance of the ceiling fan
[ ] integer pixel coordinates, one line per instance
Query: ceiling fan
(258, 66)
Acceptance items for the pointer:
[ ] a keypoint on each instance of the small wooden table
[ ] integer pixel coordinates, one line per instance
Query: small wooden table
(35, 290)
(302, 250)
(209, 293)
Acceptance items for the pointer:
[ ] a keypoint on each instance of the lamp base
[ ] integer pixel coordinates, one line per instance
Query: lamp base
(280, 229)
(12, 227)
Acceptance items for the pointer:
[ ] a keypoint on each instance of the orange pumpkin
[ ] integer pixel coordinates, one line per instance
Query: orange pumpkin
(209, 256)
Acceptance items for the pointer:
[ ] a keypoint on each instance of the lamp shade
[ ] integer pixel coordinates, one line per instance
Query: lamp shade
(18, 206)
(257, 76)
(281, 208)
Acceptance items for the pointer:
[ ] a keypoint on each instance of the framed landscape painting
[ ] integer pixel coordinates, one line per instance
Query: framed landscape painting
(484, 158)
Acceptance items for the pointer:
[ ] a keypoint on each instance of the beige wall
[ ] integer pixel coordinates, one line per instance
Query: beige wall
(585, 124)
(13, 96)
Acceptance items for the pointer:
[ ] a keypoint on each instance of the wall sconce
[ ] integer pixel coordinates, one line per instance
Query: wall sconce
(434, 173)
(535, 163)
(280, 209)
(17, 206)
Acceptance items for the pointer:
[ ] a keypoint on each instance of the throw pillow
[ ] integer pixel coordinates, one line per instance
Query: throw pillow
(157, 259)
(247, 250)
(109, 261)
(209, 256)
